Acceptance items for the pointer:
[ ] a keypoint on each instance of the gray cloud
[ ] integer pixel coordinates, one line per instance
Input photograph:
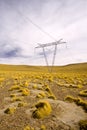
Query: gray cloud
(60, 18)
(9, 51)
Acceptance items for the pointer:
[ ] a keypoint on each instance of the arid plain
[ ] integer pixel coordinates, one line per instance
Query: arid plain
(31, 98)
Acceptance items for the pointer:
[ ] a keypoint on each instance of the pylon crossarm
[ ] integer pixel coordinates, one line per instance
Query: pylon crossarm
(50, 44)
(43, 46)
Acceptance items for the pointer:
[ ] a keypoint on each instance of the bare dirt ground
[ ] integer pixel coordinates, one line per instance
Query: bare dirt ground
(64, 115)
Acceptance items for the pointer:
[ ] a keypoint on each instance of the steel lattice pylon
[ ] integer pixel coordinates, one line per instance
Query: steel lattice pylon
(43, 46)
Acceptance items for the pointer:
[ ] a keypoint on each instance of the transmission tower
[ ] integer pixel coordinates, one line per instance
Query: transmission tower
(43, 46)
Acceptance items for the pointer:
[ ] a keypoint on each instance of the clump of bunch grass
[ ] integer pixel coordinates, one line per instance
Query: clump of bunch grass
(69, 98)
(35, 86)
(13, 95)
(22, 104)
(28, 128)
(52, 97)
(1, 80)
(79, 86)
(50, 94)
(43, 127)
(83, 124)
(50, 79)
(26, 84)
(43, 109)
(14, 87)
(47, 89)
(82, 103)
(16, 99)
(25, 91)
(41, 95)
(10, 110)
(83, 93)
(73, 86)
(78, 101)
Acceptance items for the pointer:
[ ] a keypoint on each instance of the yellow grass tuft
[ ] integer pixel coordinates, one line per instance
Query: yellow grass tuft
(25, 91)
(69, 98)
(1, 80)
(27, 128)
(43, 109)
(83, 93)
(79, 86)
(21, 104)
(43, 127)
(48, 90)
(10, 110)
(16, 99)
(41, 95)
(35, 86)
(78, 101)
(14, 87)
(52, 97)
(83, 125)
(13, 95)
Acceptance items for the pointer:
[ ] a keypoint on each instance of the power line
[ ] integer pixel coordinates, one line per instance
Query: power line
(36, 25)
(46, 33)
(27, 18)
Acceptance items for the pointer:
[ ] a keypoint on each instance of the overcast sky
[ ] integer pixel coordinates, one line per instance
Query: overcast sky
(24, 23)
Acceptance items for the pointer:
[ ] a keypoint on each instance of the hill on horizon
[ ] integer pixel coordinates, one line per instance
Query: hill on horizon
(66, 68)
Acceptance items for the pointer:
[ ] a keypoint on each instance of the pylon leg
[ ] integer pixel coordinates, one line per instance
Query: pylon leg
(46, 59)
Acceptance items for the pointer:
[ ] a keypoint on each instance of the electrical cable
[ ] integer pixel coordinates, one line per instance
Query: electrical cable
(41, 29)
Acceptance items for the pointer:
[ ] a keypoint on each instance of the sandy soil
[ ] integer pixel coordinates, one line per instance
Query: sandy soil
(64, 115)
